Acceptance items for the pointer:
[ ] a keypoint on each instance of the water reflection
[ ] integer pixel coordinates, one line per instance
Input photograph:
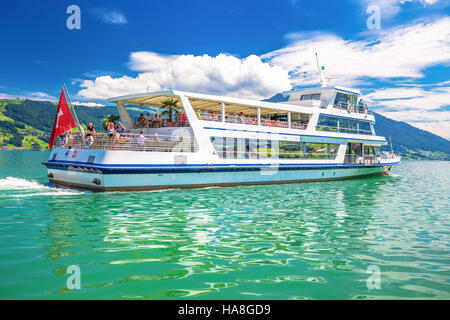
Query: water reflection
(181, 234)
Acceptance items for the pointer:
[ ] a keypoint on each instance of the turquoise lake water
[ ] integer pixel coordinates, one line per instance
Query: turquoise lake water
(297, 241)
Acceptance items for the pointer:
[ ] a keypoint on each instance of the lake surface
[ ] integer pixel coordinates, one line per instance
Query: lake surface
(297, 241)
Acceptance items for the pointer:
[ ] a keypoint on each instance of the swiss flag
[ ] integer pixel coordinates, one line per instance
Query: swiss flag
(63, 120)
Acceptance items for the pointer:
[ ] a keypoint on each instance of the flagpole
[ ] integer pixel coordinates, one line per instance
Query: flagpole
(390, 141)
(73, 110)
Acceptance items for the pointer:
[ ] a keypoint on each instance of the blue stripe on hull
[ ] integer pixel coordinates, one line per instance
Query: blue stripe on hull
(157, 179)
(61, 165)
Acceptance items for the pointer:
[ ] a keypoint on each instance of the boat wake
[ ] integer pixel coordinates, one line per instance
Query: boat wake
(18, 187)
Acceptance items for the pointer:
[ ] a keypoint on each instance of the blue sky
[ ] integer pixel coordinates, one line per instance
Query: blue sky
(246, 48)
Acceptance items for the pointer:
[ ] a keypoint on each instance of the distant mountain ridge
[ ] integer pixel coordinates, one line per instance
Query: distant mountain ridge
(412, 141)
(28, 124)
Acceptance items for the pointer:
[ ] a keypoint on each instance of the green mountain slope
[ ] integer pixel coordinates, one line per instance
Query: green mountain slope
(412, 142)
(28, 124)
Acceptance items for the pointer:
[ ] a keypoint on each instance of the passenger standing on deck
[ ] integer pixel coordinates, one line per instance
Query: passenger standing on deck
(183, 119)
(139, 122)
(158, 121)
(110, 129)
(120, 129)
(141, 141)
(89, 135)
(112, 133)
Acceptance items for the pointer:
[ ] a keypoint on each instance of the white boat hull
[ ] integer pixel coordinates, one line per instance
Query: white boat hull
(202, 177)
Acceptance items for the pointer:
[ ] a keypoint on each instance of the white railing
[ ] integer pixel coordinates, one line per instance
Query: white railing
(129, 142)
(255, 154)
(343, 130)
(250, 120)
(355, 108)
(368, 159)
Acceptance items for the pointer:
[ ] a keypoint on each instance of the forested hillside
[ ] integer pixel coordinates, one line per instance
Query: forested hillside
(411, 141)
(28, 124)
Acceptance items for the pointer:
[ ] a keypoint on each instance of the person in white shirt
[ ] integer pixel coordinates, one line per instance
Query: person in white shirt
(141, 141)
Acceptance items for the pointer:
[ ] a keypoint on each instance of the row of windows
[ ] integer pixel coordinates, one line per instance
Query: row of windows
(241, 148)
(329, 123)
(345, 98)
(315, 96)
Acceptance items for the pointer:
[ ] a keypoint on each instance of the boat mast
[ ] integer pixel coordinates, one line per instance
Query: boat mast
(320, 69)
(73, 110)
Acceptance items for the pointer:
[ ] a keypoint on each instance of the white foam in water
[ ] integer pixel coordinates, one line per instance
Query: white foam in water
(17, 183)
(14, 184)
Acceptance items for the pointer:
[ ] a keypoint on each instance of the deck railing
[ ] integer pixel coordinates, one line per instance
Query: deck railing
(143, 122)
(343, 130)
(350, 107)
(365, 159)
(251, 120)
(129, 142)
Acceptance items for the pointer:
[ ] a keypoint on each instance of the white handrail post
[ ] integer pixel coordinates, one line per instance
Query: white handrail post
(289, 119)
(223, 111)
(259, 116)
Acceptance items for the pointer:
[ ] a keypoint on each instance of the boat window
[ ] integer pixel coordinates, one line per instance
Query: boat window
(240, 148)
(315, 96)
(299, 120)
(291, 149)
(337, 124)
(377, 151)
(341, 98)
(364, 128)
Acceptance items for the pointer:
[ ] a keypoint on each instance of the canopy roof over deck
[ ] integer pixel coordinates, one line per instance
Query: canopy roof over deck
(206, 102)
(149, 99)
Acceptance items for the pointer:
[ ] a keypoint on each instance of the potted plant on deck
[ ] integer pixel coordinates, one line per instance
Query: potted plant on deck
(171, 107)
(109, 118)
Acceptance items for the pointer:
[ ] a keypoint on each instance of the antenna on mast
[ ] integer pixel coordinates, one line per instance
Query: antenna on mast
(320, 69)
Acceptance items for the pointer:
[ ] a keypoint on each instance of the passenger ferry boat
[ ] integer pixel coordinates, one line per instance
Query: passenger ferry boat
(318, 134)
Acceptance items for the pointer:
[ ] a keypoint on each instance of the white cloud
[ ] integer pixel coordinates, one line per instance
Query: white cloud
(87, 104)
(390, 8)
(411, 98)
(38, 96)
(110, 16)
(432, 121)
(424, 2)
(399, 52)
(416, 106)
(223, 74)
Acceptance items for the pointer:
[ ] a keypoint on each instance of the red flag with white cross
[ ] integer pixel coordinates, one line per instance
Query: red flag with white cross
(63, 120)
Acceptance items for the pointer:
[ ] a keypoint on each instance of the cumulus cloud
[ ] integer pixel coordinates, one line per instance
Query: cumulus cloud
(88, 104)
(224, 74)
